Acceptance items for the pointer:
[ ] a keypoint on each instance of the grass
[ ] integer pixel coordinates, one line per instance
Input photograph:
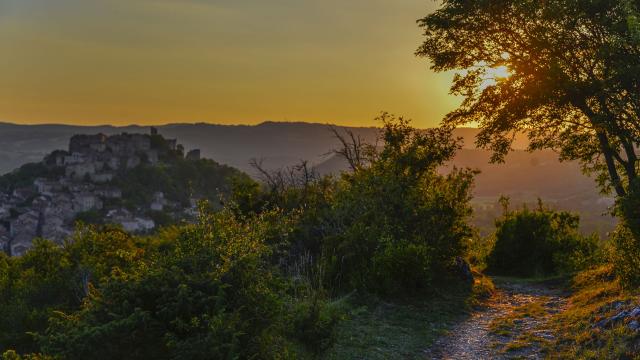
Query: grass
(504, 325)
(553, 279)
(377, 329)
(576, 338)
(519, 327)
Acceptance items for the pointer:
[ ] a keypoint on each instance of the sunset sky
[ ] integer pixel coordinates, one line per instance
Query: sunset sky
(218, 61)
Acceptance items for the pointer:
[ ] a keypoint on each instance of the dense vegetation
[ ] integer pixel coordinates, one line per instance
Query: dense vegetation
(26, 174)
(540, 242)
(255, 278)
(573, 87)
(180, 180)
(199, 291)
(391, 226)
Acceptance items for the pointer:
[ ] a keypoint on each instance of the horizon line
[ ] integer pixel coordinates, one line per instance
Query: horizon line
(262, 123)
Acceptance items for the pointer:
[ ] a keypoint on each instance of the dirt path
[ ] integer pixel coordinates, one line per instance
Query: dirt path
(512, 325)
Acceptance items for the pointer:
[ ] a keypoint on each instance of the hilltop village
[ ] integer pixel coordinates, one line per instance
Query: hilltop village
(81, 181)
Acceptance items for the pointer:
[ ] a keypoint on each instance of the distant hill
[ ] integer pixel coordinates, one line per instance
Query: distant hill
(280, 144)
(524, 176)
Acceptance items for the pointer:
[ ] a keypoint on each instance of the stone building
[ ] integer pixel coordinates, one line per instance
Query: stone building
(193, 155)
(74, 158)
(109, 192)
(102, 178)
(158, 203)
(48, 208)
(23, 230)
(86, 202)
(80, 171)
(46, 186)
(83, 143)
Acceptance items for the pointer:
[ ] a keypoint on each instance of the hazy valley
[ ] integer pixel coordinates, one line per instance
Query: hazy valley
(523, 177)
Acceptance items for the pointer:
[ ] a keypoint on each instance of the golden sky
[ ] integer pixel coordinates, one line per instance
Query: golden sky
(218, 61)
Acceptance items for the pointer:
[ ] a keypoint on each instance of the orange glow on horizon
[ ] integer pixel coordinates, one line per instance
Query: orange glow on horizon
(226, 62)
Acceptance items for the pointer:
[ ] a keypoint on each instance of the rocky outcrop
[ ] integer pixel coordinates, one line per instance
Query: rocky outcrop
(624, 312)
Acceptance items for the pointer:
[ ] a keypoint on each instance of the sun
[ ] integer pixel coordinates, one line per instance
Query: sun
(493, 75)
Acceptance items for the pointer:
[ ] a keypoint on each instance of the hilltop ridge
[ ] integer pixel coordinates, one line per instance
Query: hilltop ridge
(138, 181)
(283, 144)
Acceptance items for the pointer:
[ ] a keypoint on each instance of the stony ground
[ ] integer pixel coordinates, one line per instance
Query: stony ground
(511, 325)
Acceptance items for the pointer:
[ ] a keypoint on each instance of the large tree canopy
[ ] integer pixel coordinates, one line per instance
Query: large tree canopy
(574, 81)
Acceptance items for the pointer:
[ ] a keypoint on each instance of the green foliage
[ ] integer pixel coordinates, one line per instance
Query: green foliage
(209, 293)
(314, 322)
(626, 257)
(90, 217)
(161, 218)
(479, 249)
(12, 355)
(179, 180)
(552, 94)
(27, 174)
(540, 242)
(392, 226)
(202, 291)
(253, 279)
(33, 286)
(399, 223)
(299, 190)
(50, 278)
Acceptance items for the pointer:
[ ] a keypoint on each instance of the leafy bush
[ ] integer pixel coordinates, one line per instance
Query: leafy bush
(314, 322)
(625, 256)
(397, 224)
(90, 217)
(540, 242)
(203, 291)
(27, 174)
(31, 288)
(179, 180)
(479, 249)
(50, 278)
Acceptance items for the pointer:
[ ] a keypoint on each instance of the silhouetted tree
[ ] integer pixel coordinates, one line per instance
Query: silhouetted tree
(574, 83)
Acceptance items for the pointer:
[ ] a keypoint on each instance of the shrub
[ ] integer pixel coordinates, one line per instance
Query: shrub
(540, 242)
(397, 225)
(89, 217)
(314, 322)
(31, 288)
(625, 256)
(211, 295)
(391, 226)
